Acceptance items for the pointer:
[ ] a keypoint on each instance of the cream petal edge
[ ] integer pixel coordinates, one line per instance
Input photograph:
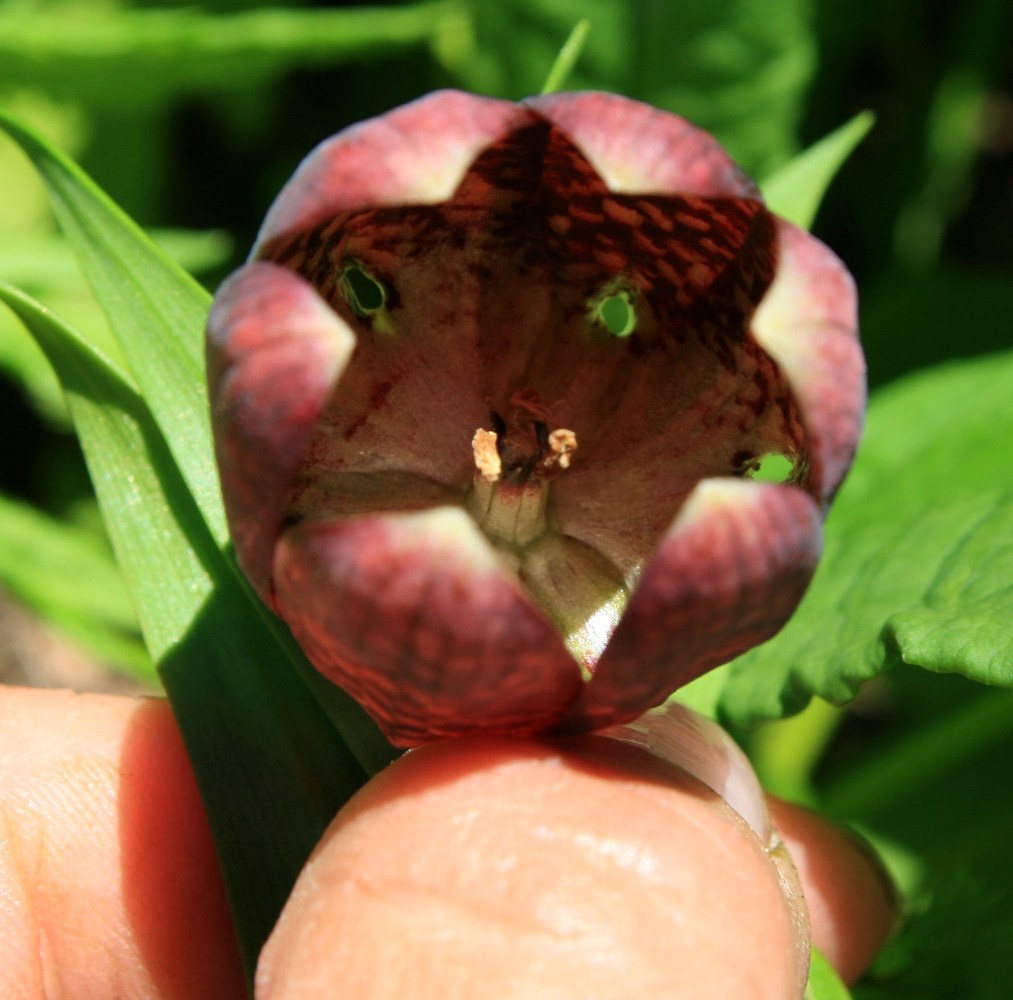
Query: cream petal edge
(808, 323)
(416, 154)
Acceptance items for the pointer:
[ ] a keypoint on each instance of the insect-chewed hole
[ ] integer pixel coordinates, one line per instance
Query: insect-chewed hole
(365, 294)
(774, 468)
(616, 313)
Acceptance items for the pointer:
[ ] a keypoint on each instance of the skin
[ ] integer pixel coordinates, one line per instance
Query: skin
(468, 869)
(853, 906)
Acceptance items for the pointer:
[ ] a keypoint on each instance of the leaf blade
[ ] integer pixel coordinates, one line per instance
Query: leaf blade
(112, 250)
(796, 190)
(272, 768)
(567, 58)
(156, 310)
(824, 983)
(132, 58)
(918, 548)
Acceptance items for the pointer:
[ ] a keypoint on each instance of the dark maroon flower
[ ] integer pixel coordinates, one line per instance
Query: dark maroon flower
(489, 396)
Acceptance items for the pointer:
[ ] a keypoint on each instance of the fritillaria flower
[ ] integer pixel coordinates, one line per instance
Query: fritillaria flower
(489, 396)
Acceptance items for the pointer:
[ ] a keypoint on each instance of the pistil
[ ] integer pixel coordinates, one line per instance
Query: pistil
(511, 513)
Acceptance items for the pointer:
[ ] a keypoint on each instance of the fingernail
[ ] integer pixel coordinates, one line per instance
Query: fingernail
(702, 748)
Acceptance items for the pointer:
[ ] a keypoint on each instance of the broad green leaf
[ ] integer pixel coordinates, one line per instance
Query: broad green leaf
(954, 944)
(738, 69)
(918, 552)
(271, 767)
(824, 983)
(156, 310)
(136, 58)
(68, 576)
(797, 189)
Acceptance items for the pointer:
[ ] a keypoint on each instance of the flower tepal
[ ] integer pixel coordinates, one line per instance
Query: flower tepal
(489, 397)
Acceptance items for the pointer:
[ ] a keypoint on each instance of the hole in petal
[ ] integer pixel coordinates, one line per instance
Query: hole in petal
(616, 313)
(364, 293)
(774, 468)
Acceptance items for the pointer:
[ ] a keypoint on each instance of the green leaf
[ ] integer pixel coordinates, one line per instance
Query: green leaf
(955, 943)
(824, 983)
(918, 552)
(158, 313)
(271, 767)
(269, 759)
(69, 577)
(567, 58)
(23, 363)
(156, 310)
(42, 264)
(36, 259)
(739, 69)
(137, 58)
(796, 190)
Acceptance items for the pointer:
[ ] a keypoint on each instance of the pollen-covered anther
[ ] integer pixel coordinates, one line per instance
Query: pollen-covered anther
(562, 445)
(487, 460)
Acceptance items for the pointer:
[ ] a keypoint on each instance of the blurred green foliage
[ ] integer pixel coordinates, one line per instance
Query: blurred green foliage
(192, 117)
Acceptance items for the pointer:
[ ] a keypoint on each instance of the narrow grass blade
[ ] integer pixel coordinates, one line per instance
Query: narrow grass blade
(156, 310)
(797, 189)
(567, 58)
(67, 575)
(271, 766)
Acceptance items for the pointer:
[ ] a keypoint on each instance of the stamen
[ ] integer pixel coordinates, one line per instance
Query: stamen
(487, 460)
(511, 484)
(562, 445)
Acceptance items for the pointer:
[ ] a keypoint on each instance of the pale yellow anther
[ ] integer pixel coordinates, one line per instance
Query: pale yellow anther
(487, 460)
(562, 445)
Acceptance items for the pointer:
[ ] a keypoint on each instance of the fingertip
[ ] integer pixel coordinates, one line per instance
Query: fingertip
(107, 870)
(172, 886)
(853, 906)
(520, 868)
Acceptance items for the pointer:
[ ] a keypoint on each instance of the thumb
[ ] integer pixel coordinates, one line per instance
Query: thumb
(519, 869)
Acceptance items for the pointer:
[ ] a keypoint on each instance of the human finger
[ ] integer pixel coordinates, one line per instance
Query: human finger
(519, 868)
(109, 884)
(852, 904)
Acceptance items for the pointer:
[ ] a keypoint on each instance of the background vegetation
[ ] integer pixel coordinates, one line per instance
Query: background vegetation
(193, 117)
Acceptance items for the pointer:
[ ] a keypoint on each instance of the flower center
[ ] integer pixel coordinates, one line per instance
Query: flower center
(514, 464)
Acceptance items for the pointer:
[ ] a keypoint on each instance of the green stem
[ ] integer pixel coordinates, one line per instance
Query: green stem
(785, 753)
